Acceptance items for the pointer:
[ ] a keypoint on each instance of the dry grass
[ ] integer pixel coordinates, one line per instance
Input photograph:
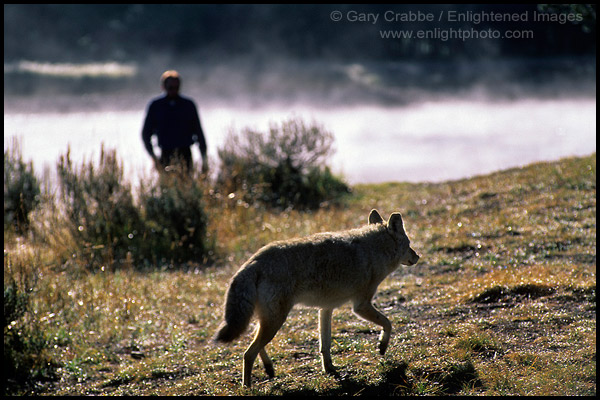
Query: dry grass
(501, 303)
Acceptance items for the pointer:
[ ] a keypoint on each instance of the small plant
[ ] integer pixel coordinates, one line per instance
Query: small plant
(21, 189)
(478, 342)
(285, 167)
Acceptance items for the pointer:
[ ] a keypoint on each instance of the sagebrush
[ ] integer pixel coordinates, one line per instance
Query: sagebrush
(284, 167)
(21, 189)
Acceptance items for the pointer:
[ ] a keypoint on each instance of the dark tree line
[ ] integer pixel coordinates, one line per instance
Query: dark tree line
(78, 32)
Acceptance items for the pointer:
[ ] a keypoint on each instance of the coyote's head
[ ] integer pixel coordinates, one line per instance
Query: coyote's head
(396, 227)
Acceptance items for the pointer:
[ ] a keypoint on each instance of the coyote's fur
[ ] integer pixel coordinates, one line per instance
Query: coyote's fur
(323, 270)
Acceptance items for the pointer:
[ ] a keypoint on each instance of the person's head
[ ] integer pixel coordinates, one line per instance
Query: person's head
(170, 82)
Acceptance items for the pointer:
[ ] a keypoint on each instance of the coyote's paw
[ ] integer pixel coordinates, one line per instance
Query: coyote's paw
(329, 369)
(383, 347)
(270, 371)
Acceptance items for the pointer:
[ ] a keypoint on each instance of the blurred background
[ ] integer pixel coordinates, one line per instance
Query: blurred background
(407, 99)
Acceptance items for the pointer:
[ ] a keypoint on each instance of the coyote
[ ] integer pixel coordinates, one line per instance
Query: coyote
(323, 270)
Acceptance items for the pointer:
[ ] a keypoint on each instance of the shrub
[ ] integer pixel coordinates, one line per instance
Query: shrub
(21, 190)
(285, 167)
(99, 209)
(168, 225)
(176, 224)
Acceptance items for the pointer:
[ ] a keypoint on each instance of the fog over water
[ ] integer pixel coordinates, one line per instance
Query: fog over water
(384, 130)
(430, 141)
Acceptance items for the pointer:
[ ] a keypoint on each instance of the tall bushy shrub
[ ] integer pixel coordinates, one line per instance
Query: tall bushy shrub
(175, 220)
(167, 226)
(21, 189)
(284, 167)
(99, 209)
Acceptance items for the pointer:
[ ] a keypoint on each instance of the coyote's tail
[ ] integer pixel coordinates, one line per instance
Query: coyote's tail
(239, 306)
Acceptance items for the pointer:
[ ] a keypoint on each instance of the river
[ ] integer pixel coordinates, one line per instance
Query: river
(427, 141)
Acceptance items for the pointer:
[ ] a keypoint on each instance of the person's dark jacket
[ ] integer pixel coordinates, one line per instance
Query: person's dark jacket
(175, 122)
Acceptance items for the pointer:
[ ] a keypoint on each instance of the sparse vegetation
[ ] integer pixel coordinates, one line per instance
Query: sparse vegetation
(502, 302)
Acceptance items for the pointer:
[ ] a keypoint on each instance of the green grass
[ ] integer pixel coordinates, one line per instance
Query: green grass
(502, 302)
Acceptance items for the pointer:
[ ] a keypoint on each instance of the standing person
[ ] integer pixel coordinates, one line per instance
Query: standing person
(174, 120)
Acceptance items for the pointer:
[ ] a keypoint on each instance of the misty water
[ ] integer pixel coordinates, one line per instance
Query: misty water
(433, 138)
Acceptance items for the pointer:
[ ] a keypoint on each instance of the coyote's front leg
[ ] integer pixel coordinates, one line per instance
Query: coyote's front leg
(325, 329)
(366, 310)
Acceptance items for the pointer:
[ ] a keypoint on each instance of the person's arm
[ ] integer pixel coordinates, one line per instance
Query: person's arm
(203, 152)
(202, 145)
(199, 135)
(148, 132)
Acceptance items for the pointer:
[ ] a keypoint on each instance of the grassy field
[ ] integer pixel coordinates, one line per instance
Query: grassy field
(502, 302)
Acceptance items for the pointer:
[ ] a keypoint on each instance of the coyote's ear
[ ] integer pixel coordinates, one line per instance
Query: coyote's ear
(395, 223)
(375, 218)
